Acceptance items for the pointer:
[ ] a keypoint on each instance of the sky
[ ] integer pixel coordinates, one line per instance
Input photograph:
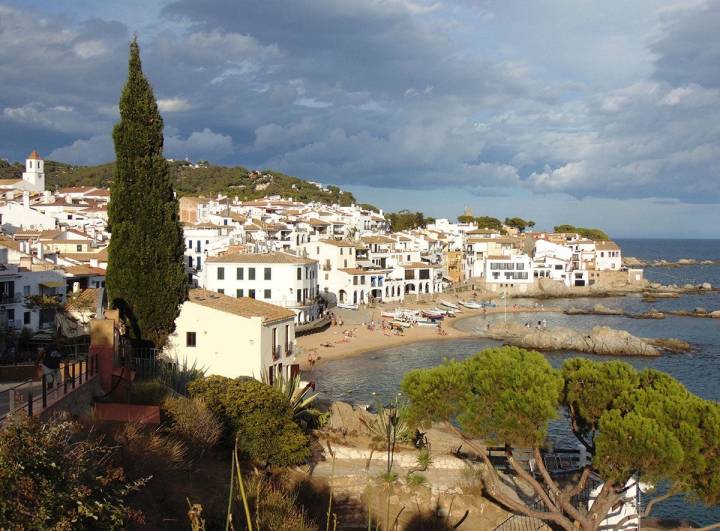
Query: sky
(594, 113)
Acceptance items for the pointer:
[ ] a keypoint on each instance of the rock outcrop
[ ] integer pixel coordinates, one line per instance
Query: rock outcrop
(600, 340)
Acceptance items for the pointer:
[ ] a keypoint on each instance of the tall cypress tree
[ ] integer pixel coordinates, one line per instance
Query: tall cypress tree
(145, 274)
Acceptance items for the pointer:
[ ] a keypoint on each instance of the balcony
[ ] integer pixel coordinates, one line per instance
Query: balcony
(6, 298)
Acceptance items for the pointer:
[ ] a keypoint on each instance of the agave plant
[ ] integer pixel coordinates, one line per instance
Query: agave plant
(301, 397)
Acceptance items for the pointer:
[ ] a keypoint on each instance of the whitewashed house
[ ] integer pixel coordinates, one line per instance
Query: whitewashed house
(607, 256)
(277, 278)
(234, 337)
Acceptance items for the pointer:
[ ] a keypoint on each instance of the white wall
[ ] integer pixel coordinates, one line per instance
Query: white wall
(228, 344)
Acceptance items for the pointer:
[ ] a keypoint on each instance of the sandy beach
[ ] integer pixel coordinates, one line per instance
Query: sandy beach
(354, 337)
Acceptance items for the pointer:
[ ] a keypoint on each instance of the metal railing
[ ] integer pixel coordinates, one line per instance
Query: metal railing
(31, 397)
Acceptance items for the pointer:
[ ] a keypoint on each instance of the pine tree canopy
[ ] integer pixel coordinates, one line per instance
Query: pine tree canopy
(634, 424)
(145, 276)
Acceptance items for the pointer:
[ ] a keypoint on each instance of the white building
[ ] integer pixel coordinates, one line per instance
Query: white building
(607, 256)
(34, 175)
(509, 273)
(277, 278)
(20, 281)
(234, 336)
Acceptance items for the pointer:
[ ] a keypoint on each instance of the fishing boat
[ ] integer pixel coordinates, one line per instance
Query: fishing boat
(392, 315)
(428, 323)
(347, 306)
(472, 305)
(432, 315)
(449, 304)
(403, 324)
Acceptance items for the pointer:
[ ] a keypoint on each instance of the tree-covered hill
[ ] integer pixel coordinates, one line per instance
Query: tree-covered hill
(207, 180)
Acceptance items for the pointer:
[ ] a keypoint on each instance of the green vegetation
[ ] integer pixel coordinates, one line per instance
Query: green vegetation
(301, 400)
(483, 222)
(53, 476)
(260, 416)
(145, 274)
(193, 422)
(207, 181)
(406, 220)
(633, 423)
(590, 234)
(519, 223)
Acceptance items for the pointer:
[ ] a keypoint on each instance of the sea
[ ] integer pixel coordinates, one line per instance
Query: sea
(356, 379)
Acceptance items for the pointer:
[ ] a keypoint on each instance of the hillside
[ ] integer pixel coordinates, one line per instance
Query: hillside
(207, 181)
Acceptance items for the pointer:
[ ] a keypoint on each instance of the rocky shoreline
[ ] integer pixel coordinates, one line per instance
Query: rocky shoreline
(652, 313)
(631, 261)
(546, 289)
(600, 340)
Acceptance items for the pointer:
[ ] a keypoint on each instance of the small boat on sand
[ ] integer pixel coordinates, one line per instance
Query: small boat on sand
(433, 315)
(347, 306)
(472, 305)
(430, 323)
(449, 304)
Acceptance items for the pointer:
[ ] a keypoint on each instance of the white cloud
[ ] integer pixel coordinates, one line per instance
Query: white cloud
(94, 150)
(176, 104)
(204, 144)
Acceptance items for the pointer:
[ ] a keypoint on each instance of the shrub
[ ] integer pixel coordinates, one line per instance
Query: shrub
(192, 421)
(415, 479)
(52, 476)
(258, 414)
(148, 393)
(148, 451)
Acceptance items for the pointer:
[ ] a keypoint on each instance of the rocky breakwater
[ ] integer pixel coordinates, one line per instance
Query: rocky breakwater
(600, 340)
(631, 261)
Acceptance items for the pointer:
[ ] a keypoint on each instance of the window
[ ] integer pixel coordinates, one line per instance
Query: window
(345, 263)
(199, 263)
(251, 293)
(299, 296)
(558, 267)
(268, 294)
(189, 244)
(341, 251)
(251, 273)
(78, 248)
(239, 293)
(424, 274)
(190, 339)
(26, 318)
(26, 291)
(11, 314)
(287, 340)
(355, 281)
(221, 273)
(240, 273)
(299, 273)
(190, 261)
(268, 273)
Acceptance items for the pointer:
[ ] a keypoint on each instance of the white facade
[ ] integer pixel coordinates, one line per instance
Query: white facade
(514, 272)
(277, 278)
(234, 337)
(34, 175)
(14, 215)
(19, 282)
(608, 256)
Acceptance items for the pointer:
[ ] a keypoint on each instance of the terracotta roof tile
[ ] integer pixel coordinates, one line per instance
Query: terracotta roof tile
(242, 306)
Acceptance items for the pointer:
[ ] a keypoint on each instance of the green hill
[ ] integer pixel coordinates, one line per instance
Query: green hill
(207, 181)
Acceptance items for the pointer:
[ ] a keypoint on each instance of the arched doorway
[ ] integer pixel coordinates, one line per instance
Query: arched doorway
(343, 296)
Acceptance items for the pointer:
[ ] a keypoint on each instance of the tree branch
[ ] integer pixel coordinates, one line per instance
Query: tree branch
(564, 502)
(537, 487)
(672, 491)
(495, 489)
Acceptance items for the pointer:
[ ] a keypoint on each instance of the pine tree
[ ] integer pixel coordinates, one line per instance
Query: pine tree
(145, 275)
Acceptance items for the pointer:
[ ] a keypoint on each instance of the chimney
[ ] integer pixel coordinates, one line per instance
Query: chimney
(76, 287)
(40, 251)
(68, 199)
(26, 199)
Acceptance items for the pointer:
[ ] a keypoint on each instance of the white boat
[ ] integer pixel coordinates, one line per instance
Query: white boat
(392, 315)
(449, 304)
(472, 305)
(402, 323)
(426, 324)
(347, 306)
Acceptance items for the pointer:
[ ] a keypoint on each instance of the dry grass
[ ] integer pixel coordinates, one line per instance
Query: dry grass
(192, 421)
